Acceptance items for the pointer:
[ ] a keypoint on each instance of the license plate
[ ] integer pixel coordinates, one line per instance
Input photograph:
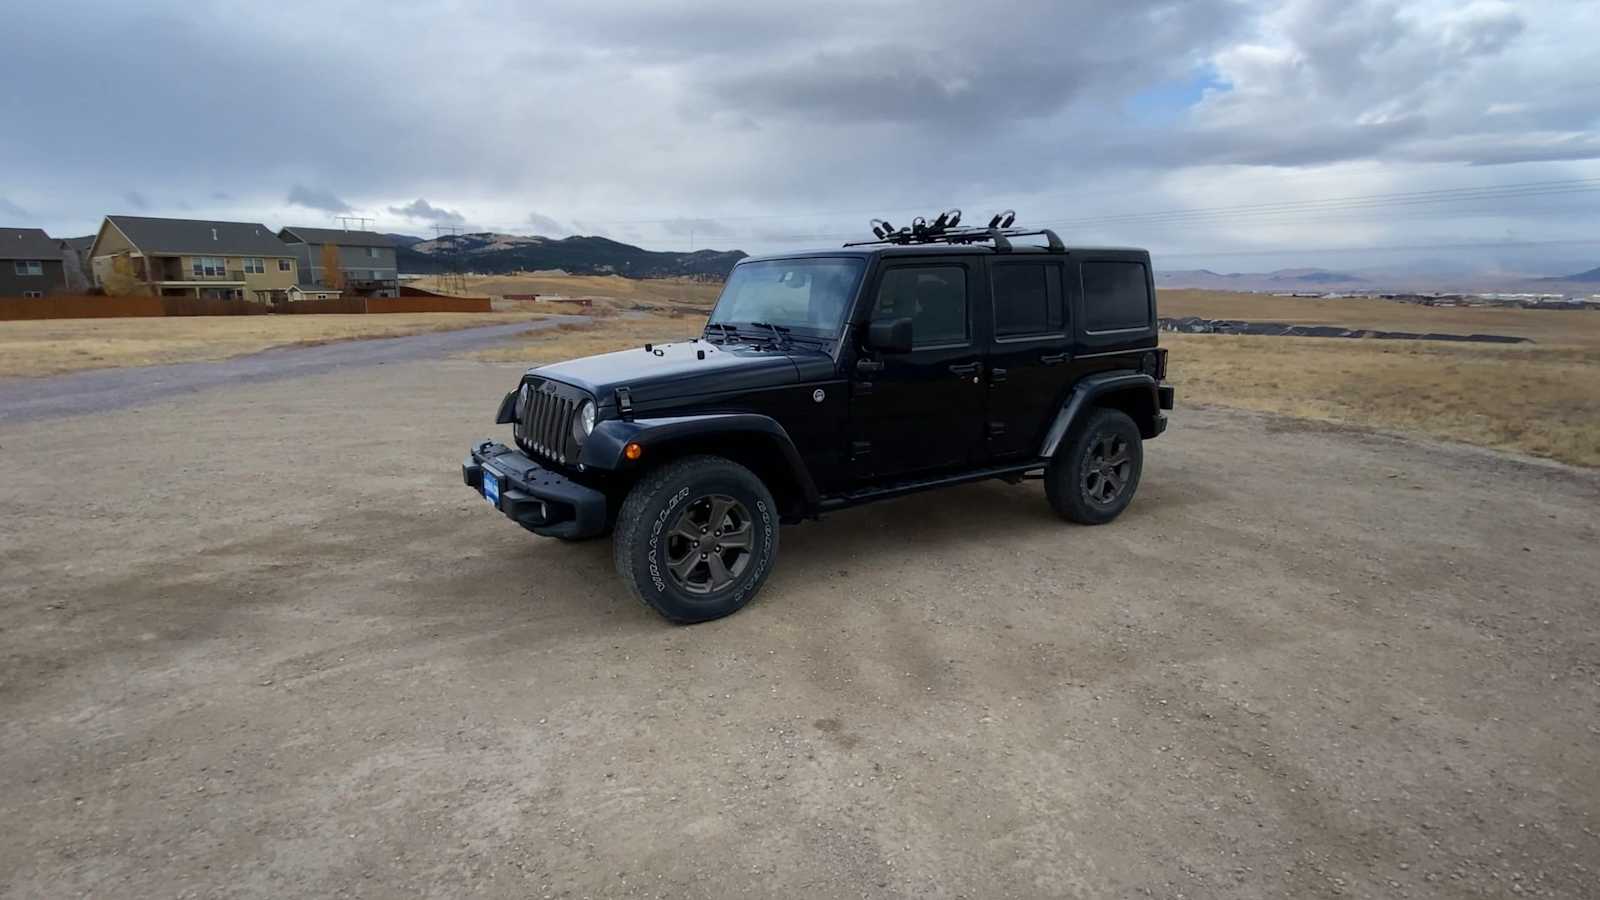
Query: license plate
(491, 488)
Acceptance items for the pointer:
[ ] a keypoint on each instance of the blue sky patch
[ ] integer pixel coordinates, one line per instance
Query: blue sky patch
(1163, 103)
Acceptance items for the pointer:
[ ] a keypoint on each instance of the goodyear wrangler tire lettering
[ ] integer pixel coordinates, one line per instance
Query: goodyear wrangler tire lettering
(696, 538)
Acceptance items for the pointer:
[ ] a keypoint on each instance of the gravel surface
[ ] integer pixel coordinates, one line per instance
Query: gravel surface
(260, 642)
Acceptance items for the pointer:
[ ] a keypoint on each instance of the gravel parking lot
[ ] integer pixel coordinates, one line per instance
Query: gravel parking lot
(258, 641)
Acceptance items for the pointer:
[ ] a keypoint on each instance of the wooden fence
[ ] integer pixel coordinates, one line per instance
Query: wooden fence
(71, 306)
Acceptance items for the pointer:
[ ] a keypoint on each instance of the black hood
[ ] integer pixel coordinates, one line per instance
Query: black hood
(689, 368)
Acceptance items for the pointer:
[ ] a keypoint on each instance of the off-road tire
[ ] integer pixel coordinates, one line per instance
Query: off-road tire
(644, 530)
(1064, 477)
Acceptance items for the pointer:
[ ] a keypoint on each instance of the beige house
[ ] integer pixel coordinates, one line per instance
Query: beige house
(192, 258)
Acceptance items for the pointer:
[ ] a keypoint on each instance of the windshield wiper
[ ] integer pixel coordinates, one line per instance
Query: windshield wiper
(780, 333)
(727, 331)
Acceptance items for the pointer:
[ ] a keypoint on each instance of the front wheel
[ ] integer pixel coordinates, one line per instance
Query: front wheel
(1095, 471)
(696, 539)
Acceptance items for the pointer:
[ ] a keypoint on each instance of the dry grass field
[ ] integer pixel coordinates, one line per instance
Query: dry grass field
(53, 346)
(1539, 324)
(611, 290)
(1541, 398)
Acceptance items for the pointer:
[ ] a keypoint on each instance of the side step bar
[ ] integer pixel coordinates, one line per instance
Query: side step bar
(901, 488)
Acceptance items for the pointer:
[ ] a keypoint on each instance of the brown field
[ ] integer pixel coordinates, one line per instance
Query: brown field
(1539, 324)
(612, 291)
(53, 346)
(1541, 399)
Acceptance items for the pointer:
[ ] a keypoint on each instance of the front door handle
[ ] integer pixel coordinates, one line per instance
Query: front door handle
(997, 375)
(1051, 359)
(971, 368)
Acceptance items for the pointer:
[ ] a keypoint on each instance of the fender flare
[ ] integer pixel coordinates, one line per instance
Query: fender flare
(603, 449)
(1083, 396)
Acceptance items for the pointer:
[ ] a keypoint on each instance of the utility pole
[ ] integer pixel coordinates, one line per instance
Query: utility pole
(452, 279)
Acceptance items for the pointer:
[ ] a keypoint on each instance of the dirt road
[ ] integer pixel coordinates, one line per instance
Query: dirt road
(259, 641)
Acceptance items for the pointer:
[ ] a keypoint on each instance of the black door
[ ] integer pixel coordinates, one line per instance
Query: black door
(1029, 352)
(923, 410)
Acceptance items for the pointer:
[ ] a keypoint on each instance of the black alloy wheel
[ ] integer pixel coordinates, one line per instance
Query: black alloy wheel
(709, 545)
(1107, 467)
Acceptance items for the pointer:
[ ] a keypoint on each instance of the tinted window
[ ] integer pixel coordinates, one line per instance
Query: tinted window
(934, 298)
(1027, 299)
(1116, 295)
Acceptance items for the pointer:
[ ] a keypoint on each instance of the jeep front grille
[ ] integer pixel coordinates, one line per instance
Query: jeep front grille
(545, 427)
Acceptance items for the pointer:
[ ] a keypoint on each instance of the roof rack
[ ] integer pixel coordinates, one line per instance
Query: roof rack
(944, 230)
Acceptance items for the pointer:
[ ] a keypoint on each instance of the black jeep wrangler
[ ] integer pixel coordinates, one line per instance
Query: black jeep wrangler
(933, 356)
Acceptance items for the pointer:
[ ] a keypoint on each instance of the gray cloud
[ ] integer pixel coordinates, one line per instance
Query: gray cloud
(423, 211)
(766, 127)
(312, 198)
(136, 200)
(547, 226)
(12, 210)
(701, 228)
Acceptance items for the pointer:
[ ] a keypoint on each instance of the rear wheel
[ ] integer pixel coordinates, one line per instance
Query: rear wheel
(696, 539)
(1096, 470)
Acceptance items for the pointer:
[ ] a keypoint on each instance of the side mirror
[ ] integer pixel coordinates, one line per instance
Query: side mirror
(889, 335)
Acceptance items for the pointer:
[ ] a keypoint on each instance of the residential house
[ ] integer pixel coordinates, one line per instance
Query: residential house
(193, 258)
(366, 260)
(30, 263)
(75, 263)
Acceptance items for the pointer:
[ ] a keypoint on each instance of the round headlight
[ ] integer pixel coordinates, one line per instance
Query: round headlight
(586, 417)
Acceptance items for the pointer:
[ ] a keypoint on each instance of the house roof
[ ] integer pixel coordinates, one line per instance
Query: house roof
(196, 236)
(339, 236)
(27, 243)
(80, 244)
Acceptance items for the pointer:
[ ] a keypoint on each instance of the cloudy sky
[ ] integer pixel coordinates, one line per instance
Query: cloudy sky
(1228, 134)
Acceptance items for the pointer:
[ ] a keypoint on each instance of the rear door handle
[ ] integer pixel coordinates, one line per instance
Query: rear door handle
(1051, 359)
(972, 368)
(997, 375)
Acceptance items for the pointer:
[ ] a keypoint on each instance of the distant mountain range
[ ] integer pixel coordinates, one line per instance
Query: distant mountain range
(1401, 279)
(1590, 277)
(490, 253)
(1279, 280)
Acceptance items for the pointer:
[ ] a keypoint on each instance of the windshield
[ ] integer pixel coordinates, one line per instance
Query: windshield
(807, 296)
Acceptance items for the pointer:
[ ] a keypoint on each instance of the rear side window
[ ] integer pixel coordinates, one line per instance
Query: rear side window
(1116, 296)
(934, 298)
(1027, 299)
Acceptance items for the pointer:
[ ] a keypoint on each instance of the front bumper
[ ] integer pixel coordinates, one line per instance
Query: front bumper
(544, 501)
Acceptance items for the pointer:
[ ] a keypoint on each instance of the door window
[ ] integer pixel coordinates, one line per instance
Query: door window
(934, 298)
(1027, 299)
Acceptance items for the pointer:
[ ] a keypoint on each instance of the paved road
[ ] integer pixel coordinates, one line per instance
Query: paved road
(100, 390)
(262, 643)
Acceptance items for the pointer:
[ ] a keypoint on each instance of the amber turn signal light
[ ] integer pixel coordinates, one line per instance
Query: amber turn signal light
(633, 451)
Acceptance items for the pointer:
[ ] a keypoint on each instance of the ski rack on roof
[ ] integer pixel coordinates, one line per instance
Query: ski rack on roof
(944, 230)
